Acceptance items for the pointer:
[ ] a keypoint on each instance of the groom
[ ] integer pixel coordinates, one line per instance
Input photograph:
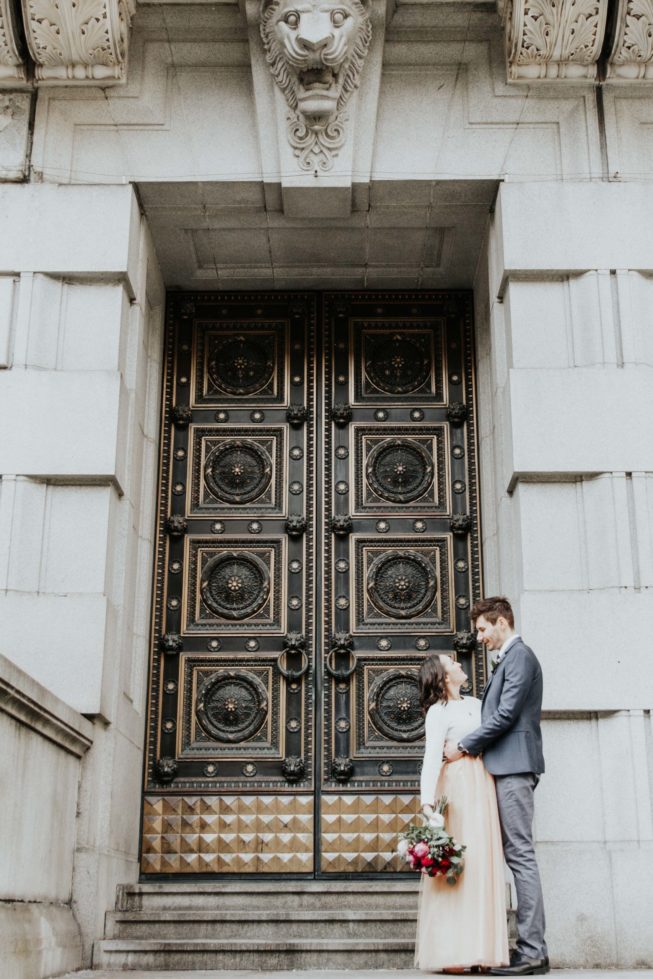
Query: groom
(511, 742)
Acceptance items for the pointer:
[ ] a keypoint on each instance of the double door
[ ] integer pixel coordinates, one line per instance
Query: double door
(317, 538)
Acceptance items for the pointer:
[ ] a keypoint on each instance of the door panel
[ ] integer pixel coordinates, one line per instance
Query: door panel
(317, 537)
(398, 410)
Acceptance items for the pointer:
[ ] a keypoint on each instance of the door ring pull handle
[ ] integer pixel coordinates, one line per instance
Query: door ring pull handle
(292, 675)
(341, 674)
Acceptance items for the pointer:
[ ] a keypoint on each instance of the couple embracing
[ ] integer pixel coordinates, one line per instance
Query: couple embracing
(490, 804)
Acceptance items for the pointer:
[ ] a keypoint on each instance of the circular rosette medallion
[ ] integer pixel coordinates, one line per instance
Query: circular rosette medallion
(235, 584)
(397, 364)
(393, 705)
(231, 706)
(238, 472)
(241, 365)
(399, 470)
(402, 584)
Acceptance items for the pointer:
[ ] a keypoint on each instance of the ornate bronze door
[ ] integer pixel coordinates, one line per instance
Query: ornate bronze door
(317, 538)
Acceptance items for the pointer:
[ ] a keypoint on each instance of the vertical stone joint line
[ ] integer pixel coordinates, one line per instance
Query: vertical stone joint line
(616, 318)
(632, 526)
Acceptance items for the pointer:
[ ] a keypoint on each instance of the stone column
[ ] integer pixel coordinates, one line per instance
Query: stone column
(565, 328)
(80, 337)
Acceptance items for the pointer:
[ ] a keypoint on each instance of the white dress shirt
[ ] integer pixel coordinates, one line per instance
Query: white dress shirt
(504, 649)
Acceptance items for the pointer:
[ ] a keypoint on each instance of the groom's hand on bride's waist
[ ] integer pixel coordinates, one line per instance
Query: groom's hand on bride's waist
(451, 751)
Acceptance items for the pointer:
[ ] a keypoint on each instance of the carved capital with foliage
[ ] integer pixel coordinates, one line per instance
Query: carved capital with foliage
(12, 64)
(632, 52)
(78, 40)
(553, 38)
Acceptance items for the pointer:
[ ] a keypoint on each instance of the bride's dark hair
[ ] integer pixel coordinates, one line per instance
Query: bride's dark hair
(432, 683)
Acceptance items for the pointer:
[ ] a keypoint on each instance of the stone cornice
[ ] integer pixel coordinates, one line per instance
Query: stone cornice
(84, 42)
(12, 62)
(551, 39)
(30, 704)
(631, 58)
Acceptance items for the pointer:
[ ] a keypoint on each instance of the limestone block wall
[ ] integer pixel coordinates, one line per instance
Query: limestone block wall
(43, 742)
(565, 363)
(81, 306)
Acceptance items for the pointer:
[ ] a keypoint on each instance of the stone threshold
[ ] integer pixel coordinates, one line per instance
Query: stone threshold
(336, 974)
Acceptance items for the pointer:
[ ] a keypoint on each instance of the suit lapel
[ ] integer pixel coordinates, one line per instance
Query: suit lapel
(497, 668)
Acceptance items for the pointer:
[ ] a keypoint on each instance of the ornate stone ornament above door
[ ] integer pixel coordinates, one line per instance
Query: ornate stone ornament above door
(553, 38)
(12, 64)
(70, 42)
(632, 52)
(316, 72)
(316, 52)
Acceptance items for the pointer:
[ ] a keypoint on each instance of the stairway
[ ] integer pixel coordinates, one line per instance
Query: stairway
(265, 925)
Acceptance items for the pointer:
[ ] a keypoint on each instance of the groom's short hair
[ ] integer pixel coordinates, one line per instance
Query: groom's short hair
(492, 608)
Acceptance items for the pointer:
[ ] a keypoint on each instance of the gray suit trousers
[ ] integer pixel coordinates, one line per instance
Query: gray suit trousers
(515, 800)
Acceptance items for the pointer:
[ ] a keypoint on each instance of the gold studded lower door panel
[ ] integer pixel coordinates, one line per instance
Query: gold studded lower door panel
(228, 834)
(317, 538)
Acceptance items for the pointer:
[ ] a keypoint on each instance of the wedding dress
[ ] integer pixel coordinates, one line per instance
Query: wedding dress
(464, 924)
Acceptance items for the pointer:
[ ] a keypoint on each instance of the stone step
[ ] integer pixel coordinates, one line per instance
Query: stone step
(237, 924)
(254, 954)
(379, 894)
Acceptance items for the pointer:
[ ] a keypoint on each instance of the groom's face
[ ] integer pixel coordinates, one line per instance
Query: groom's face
(492, 635)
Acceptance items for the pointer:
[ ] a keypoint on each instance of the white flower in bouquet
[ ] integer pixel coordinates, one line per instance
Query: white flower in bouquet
(436, 820)
(402, 849)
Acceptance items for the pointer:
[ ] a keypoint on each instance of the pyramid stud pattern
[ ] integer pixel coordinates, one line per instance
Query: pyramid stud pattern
(359, 833)
(227, 834)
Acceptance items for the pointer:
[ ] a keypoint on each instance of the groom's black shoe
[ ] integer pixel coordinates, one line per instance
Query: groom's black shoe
(523, 967)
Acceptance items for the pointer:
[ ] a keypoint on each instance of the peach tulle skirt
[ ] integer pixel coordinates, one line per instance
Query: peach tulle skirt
(465, 924)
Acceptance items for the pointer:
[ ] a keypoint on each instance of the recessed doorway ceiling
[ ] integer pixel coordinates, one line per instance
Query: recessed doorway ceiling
(399, 235)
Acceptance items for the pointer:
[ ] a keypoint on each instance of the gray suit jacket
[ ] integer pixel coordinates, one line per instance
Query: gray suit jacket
(510, 736)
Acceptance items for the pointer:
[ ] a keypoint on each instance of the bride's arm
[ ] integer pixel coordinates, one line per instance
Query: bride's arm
(435, 728)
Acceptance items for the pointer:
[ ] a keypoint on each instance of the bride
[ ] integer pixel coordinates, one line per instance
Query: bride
(463, 925)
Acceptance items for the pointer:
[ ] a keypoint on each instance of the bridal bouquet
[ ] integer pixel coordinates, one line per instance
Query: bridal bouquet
(430, 850)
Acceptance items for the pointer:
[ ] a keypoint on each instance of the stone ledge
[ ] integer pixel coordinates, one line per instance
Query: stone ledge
(24, 699)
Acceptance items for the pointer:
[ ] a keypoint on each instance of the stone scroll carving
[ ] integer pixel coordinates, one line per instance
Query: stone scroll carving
(632, 53)
(553, 38)
(78, 40)
(315, 52)
(12, 65)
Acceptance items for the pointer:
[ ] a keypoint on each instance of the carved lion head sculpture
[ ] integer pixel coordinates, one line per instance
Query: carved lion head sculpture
(316, 49)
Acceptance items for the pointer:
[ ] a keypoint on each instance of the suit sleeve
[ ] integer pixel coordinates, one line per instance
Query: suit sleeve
(520, 672)
(435, 729)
